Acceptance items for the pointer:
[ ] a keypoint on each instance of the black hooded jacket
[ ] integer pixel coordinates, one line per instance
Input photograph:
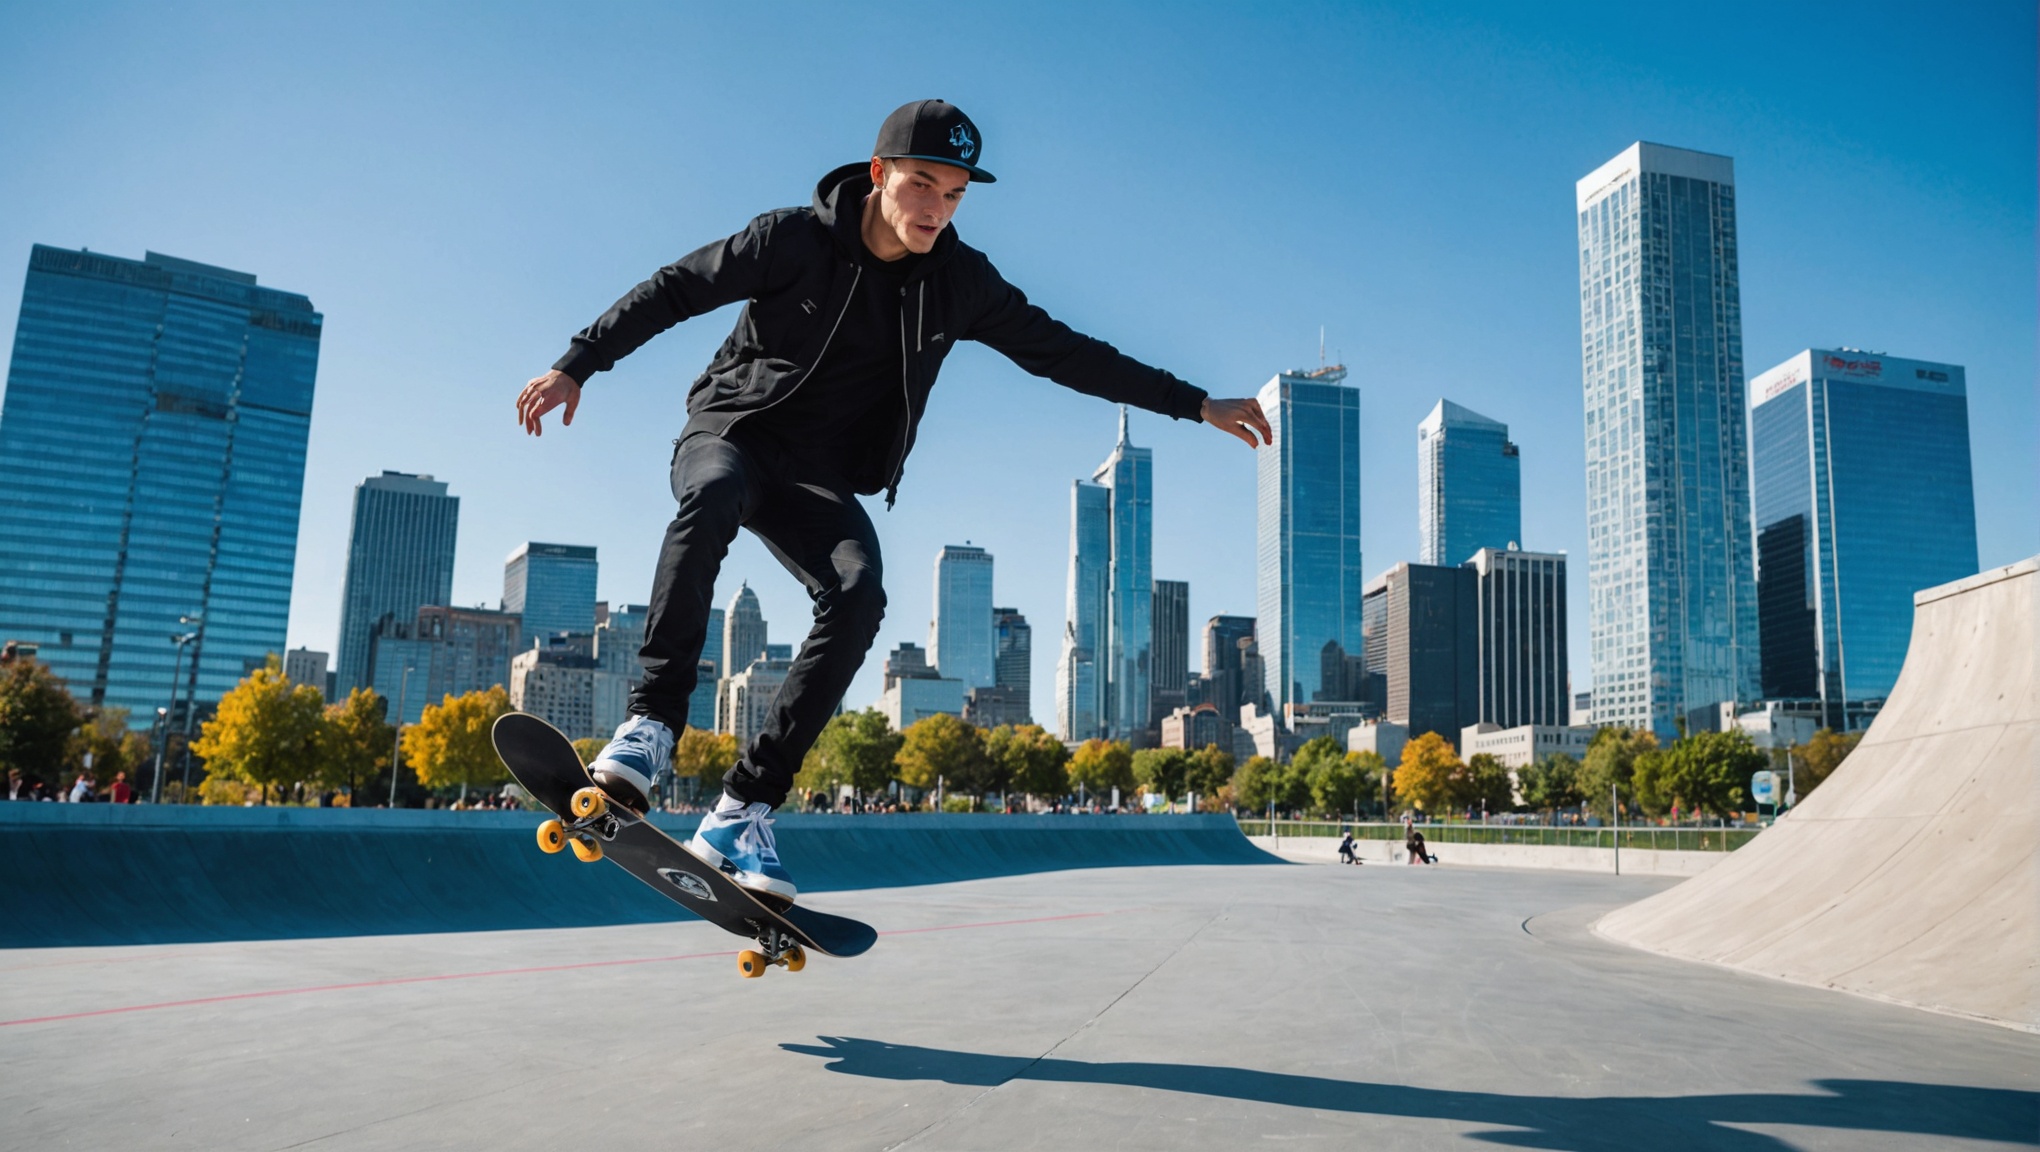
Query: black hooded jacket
(796, 268)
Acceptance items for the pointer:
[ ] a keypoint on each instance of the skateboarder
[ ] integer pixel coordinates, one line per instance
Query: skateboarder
(814, 398)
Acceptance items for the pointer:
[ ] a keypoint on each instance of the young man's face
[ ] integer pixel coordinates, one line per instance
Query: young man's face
(917, 198)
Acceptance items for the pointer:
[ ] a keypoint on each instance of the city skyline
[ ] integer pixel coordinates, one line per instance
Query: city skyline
(1943, 225)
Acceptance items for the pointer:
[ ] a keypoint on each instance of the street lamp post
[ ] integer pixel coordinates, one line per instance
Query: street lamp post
(163, 754)
(397, 741)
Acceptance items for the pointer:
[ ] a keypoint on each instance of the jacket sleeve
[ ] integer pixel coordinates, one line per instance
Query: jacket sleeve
(705, 279)
(1045, 346)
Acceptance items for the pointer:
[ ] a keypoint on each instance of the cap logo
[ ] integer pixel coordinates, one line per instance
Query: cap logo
(959, 139)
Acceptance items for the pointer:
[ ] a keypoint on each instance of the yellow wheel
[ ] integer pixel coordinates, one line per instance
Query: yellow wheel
(588, 802)
(551, 837)
(587, 849)
(752, 964)
(793, 958)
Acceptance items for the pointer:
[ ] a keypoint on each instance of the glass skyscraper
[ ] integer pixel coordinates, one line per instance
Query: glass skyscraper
(399, 559)
(152, 456)
(1013, 665)
(1079, 686)
(553, 586)
(1307, 532)
(960, 636)
(1469, 485)
(1128, 476)
(1671, 586)
(1863, 497)
(1170, 678)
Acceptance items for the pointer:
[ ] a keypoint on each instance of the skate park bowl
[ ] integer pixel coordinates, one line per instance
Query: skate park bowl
(1912, 875)
(94, 874)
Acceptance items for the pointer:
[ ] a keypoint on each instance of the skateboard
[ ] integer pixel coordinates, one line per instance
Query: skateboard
(545, 763)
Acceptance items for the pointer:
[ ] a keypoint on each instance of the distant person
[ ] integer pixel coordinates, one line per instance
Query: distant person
(17, 786)
(81, 788)
(1346, 853)
(1413, 842)
(118, 791)
(849, 307)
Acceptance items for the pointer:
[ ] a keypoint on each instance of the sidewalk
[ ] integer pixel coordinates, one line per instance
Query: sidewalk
(1635, 861)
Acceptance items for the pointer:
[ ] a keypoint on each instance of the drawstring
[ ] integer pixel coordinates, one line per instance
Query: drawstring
(920, 313)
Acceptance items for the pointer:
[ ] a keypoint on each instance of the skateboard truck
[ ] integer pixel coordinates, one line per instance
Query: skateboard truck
(593, 823)
(779, 949)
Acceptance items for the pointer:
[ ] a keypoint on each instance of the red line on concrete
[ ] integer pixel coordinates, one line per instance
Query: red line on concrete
(395, 980)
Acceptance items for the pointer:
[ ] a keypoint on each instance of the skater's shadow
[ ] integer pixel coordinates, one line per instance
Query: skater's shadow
(1567, 1122)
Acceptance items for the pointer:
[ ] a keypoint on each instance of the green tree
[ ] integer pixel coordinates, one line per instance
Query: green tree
(37, 715)
(1816, 760)
(105, 737)
(1427, 778)
(1339, 784)
(1210, 769)
(1259, 783)
(354, 742)
(1033, 760)
(1611, 762)
(264, 734)
(1487, 784)
(1099, 766)
(1374, 770)
(1162, 771)
(941, 749)
(450, 743)
(1551, 783)
(854, 749)
(1703, 772)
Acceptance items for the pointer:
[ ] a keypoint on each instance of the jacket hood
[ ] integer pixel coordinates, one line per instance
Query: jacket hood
(839, 205)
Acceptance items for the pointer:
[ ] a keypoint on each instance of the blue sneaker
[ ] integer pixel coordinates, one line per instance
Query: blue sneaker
(737, 838)
(634, 757)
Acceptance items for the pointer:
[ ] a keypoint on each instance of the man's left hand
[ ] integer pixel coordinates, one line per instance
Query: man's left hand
(1242, 418)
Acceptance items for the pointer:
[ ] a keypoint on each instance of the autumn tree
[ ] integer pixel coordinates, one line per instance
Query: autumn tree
(1161, 771)
(588, 748)
(1611, 763)
(37, 715)
(1426, 777)
(1816, 760)
(941, 749)
(354, 742)
(450, 743)
(855, 749)
(705, 756)
(105, 737)
(264, 734)
(1099, 766)
(1033, 760)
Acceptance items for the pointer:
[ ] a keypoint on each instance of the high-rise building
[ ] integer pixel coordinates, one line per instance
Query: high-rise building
(915, 691)
(553, 587)
(1128, 476)
(961, 634)
(449, 651)
(743, 632)
(399, 559)
(1469, 485)
(306, 666)
(1431, 644)
(707, 674)
(1171, 677)
(556, 685)
(1671, 586)
(1227, 686)
(152, 454)
(745, 701)
(617, 673)
(1520, 608)
(1307, 530)
(1079, 682)
(1863, 497)
(1013, 665)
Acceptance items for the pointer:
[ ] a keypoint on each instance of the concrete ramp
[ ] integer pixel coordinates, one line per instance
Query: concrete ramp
(1913, 874)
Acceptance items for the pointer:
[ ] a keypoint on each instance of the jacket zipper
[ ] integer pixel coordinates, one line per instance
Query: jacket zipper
(857, 274)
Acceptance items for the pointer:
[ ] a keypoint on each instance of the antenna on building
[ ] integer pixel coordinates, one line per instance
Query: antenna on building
(1321, 346)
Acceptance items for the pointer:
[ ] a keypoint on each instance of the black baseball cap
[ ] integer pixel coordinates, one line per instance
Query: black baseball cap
(933, 130)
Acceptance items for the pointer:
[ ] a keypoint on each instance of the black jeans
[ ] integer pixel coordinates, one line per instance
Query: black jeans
(812, 522)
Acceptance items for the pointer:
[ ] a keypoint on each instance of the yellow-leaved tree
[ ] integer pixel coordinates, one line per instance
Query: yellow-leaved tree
(450, 745)
(354, 741)
(1427, 776)
(940, 749)
(705, 756)
(264, 734)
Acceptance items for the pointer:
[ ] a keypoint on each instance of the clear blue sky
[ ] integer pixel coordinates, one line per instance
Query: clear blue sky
(460, 187)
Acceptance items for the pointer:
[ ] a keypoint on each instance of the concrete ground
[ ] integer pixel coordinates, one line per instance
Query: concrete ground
(1165, 1008)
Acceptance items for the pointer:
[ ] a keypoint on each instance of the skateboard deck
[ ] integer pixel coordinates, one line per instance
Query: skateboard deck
(544, 761)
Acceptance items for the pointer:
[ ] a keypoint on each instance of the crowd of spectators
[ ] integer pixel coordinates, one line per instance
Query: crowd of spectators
(84, 788)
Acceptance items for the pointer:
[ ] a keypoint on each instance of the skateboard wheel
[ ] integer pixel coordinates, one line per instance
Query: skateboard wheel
(793, 958)
(587, 849)
(588, 802)
(551, 837)
(751, 964)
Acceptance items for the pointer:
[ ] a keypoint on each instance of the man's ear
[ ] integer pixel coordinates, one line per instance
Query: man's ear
(877, 173)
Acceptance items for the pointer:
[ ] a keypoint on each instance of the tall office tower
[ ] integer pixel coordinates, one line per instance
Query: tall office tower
(743, 632)
(1863, 497)
(1079, 682)
(1307, 530)
(1128, 475)
(1171, 679)
(1013, 665)
(1520, 610)
(1469, 485)
(1226, 684)
(707, 672)
(441, 652)
(961, 634)
(553, 587)
(399, 559)
(617, 671)
(1430, 638)
(1671, 584)
(152, 454)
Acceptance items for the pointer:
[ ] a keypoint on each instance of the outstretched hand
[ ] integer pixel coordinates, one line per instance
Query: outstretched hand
(542, 395)
(1242, 418)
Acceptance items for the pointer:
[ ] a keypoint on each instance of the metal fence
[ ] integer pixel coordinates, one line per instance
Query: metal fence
(1680, 839)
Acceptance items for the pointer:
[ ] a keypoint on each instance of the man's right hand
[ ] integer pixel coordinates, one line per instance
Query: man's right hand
(542, 395)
